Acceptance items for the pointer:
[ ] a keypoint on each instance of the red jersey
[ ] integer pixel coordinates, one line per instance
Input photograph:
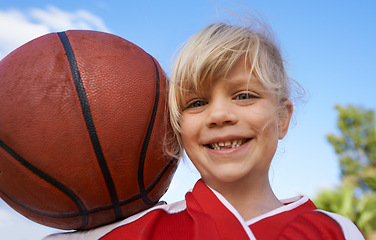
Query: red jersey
(205, 214)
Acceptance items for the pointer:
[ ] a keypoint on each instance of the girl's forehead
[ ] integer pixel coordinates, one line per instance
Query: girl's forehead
(236, 79)
(230, 83)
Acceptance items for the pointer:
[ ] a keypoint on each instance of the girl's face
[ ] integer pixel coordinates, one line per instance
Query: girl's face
(231, 130)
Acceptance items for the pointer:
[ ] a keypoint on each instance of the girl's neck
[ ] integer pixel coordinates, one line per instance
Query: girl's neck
(250, 200)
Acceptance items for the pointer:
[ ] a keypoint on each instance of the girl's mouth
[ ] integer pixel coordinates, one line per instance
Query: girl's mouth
(227, 144)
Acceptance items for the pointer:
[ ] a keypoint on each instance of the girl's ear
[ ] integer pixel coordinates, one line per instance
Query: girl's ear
(284, 118)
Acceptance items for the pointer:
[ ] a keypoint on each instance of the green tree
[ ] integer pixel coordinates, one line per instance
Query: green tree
(355, 146)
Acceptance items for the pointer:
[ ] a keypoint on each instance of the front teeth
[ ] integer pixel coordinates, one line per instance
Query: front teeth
(227, 144)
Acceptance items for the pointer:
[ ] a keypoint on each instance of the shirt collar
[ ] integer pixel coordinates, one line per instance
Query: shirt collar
(227, 220)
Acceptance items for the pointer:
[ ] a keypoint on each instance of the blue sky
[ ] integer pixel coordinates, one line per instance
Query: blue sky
(329, 46)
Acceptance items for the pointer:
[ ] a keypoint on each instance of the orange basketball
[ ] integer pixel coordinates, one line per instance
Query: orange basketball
(82, 123)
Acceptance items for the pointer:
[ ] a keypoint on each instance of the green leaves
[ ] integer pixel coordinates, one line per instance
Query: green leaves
(355, 146)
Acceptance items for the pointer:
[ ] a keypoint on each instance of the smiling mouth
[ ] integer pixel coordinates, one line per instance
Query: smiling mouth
(228, 144)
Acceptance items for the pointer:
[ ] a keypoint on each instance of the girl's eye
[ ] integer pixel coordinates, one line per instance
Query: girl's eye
(195, 104)
(245, 96)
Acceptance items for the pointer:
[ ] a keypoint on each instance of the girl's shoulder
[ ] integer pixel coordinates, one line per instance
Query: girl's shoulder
(151, 215)
(320, 224)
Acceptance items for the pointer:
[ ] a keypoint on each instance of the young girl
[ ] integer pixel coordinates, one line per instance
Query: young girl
(230, 105)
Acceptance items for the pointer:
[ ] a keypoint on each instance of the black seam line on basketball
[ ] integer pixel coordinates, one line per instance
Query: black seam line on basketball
(140, 195)
(70, 215)
(104, 208)
(95, 210)
(82, 210)
(66, 215)
(145, 144)
(148, 190)
(85, 107)
(77, 214)
(168, 165)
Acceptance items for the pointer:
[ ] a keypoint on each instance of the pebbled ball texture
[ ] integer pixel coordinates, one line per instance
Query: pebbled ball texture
(82, 123)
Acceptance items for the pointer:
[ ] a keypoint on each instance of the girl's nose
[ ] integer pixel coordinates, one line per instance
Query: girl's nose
(221, 113)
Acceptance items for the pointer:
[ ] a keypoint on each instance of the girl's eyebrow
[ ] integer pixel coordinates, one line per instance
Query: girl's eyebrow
(189, 95)
(244, 82)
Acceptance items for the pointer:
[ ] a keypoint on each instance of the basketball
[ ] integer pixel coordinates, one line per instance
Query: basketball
(82, 124)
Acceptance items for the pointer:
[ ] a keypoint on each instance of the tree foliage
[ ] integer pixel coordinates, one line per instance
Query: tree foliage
(355, 146)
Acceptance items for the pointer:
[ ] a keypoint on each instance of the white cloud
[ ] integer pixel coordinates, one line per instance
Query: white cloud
(58, 20)
(22, 26)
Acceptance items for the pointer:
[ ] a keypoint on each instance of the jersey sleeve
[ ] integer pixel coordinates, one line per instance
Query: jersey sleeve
(317, 225)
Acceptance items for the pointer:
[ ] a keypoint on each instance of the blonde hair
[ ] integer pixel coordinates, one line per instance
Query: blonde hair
(211, 53)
